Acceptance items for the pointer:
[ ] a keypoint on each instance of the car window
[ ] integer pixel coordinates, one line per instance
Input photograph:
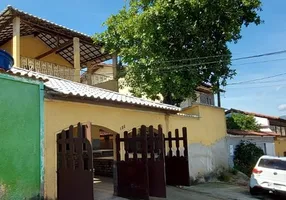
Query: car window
(272, 164)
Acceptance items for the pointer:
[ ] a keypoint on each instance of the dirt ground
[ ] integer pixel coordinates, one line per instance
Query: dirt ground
(103, 190)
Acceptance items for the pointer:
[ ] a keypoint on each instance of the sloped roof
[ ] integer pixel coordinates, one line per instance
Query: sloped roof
(51, 34)
(232, 110)
(250, 133)
(26, 75)
(70, 88)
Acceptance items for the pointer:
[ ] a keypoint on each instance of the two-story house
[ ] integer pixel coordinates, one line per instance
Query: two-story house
(61, 56)
(41, 46)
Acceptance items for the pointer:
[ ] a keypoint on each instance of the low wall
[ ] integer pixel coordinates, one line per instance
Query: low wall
(204, 159)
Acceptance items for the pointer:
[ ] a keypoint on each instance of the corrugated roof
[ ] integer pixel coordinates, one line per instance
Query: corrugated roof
(66, 87)
(25, 75)
(250, 133)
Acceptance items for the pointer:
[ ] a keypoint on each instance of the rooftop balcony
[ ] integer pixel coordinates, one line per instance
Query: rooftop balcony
(47, 68)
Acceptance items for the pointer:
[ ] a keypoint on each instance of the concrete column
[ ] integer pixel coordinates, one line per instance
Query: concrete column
(76, 60)
(16, 41)
(89, 73)
(114, 66)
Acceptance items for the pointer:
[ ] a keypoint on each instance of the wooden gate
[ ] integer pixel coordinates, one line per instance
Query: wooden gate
(74, 165)
(140, 165)
(177, 166)
(156, 163)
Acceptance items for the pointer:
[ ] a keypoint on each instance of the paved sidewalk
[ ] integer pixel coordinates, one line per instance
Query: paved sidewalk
(225, 191)
(103, 190)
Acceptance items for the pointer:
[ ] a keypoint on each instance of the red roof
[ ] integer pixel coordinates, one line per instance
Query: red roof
(250, 133)
(232, 110)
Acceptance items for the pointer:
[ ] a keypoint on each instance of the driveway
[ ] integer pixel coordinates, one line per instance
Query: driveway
(222, 191)
(103, 190)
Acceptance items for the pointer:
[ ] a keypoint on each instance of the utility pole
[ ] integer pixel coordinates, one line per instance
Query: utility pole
(218, 95)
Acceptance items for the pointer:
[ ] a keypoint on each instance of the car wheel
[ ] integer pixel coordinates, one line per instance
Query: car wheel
(253, 191)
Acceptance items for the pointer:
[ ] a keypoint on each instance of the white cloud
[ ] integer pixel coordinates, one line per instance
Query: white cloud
(282, 107)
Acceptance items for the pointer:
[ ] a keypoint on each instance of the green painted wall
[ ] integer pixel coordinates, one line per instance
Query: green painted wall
(20, 127)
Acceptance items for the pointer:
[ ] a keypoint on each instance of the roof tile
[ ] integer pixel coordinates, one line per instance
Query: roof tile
(67, 87)
(250, 133)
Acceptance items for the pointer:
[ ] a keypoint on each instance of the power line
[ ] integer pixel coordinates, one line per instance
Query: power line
(256, 86)
(227, 55)
(258, 79)
(261, 55)
(262, 82)
(184, 67)
(263, 61)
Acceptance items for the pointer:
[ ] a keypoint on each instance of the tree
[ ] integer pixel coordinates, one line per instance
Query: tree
(172, 46)
(242, 122)
(246, 155)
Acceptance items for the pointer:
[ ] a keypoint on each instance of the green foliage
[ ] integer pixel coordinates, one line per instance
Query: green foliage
(172, 46)
(233, 171)
(245, 157)
(224, 176)
(242, 122)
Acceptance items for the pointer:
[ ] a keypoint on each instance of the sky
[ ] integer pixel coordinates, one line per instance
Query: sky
(267, 96)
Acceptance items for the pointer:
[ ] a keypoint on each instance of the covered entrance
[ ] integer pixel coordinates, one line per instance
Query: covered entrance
(145, 160)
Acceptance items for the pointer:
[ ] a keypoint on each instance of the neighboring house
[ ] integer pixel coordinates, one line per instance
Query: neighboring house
(264, 140)
(269, 125)
(103, 75)
(21, 116)
(58, 55)
(205, 95)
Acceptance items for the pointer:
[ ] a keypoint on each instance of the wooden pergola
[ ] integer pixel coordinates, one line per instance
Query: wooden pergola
(75, 47)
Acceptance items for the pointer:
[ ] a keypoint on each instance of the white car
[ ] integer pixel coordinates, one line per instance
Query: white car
(269, 174)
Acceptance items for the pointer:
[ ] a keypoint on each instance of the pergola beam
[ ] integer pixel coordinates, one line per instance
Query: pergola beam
(54, 32)
(57, 49)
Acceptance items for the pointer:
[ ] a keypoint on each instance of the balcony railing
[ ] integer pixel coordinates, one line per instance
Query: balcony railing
(95, 78)
(47, 68)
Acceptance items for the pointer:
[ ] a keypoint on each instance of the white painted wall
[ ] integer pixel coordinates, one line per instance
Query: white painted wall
(205, 159)
(265, 143)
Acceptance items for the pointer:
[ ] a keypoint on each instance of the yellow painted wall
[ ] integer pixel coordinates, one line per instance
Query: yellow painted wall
(105, 70)
(32, 47)
(280, 146)
(209, 128)
(109, 85)
(60, 114)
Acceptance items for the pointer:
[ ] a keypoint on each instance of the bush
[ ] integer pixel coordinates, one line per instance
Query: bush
(233, 171)
(242, 122)
(246, 155)
(224, 176)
